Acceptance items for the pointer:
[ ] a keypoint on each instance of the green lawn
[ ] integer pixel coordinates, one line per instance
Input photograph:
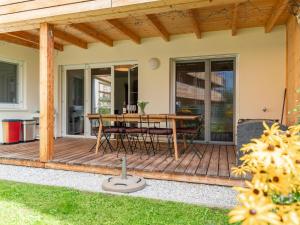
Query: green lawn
(24, 204)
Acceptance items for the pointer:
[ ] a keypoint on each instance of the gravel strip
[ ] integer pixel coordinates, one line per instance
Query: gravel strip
(200, 194)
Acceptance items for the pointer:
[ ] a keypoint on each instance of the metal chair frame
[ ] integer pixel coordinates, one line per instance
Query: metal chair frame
(152, 134)
(191, 136)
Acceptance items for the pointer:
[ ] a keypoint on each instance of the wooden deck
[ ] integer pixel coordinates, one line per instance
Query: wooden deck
(73, 154)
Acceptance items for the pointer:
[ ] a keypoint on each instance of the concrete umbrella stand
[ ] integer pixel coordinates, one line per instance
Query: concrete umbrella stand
(125, 183)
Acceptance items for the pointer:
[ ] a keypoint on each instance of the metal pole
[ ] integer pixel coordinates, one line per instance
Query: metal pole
(124, 172)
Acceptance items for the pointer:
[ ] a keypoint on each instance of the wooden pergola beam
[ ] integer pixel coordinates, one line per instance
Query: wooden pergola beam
(46, 92)
(195, 23)
(88, 30)
(18, 41)
(70, 38)
(123, 29)
(277, 11)
(234, 27)
(26, 36)
(159, 27)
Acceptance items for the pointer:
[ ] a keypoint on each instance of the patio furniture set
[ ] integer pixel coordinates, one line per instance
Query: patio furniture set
(144, 133)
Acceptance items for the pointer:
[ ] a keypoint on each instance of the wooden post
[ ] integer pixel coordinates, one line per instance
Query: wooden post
(46, 92)
(175, 139)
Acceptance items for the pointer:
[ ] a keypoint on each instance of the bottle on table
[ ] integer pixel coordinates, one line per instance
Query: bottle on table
(124, 110)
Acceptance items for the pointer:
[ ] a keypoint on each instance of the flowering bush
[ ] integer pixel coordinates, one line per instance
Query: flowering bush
(273, 195)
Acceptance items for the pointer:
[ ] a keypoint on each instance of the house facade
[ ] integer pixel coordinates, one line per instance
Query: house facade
(225, 60)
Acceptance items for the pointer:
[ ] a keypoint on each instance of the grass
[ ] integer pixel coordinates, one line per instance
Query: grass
(27, 204)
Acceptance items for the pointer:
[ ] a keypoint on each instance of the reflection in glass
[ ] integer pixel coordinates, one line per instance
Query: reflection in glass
(8, 82)
(222, 87)
(126, 87)
(101, 90)
(190, 90)
(75, 102)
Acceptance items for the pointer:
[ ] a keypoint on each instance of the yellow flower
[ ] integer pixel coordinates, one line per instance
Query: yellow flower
(256, 189)
(278, 181)
(270, 132)
(289, 214)
(254, 211)
(240, 170)
(273, 195)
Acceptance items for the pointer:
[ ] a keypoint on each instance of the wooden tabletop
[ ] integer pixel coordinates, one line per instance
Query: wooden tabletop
(138, 116)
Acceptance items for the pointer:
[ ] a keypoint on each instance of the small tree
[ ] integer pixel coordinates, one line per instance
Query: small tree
(273, 195)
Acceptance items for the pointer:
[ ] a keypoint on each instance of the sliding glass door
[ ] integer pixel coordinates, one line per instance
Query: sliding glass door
(95, 88)
(75, 101)
(206, 88)
(101, 90)
(191, 90)
(222, 100)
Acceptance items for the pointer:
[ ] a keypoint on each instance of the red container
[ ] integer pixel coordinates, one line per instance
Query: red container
(11, 131)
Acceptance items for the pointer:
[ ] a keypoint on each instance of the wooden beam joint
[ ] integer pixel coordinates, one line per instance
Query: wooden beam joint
(277, 11)
(159, 27)
(234, 27)
(123, 29)
(28, 37)
(88, 30)
(70, 38)
(196, 25)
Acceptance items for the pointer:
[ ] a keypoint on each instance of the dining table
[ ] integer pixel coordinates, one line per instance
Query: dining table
(134, 117)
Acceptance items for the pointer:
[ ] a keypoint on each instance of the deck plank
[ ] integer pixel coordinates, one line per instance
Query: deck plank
(213, 168)
(195, 162)
(204, 164)
(223, 162)
(216, 161)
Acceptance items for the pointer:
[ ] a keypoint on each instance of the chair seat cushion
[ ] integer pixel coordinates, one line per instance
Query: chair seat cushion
(135, 130)
(160, 131)
(187, 130)
(115, 130)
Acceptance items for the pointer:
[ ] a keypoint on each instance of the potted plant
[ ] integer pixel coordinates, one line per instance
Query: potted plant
(142, 105)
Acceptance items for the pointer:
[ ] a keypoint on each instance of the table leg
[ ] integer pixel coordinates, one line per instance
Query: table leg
(184, 142)
(184, 137)
(99, 137)
(175, 139)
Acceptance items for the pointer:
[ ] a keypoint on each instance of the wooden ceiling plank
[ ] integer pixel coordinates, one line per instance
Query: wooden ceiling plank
(196, 26)
(70, 38)
(278, 9)
(32, 38)
(234, 27)
(159, 27)
(123, 29)
(88, 30)
(94, 13)
(18, 41)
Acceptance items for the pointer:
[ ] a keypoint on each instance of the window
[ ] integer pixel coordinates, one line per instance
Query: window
(206, 87)
(10, 90)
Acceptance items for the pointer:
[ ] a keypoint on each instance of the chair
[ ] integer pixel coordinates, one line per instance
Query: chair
(119, 129)
(105, 133)
(135, 132)
(190, 133)
(157, 132)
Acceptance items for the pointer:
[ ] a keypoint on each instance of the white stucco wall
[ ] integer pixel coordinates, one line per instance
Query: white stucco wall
(29, 58)
(260, 67)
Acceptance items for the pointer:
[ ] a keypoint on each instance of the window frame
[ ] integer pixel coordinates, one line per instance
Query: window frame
(20, 79)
